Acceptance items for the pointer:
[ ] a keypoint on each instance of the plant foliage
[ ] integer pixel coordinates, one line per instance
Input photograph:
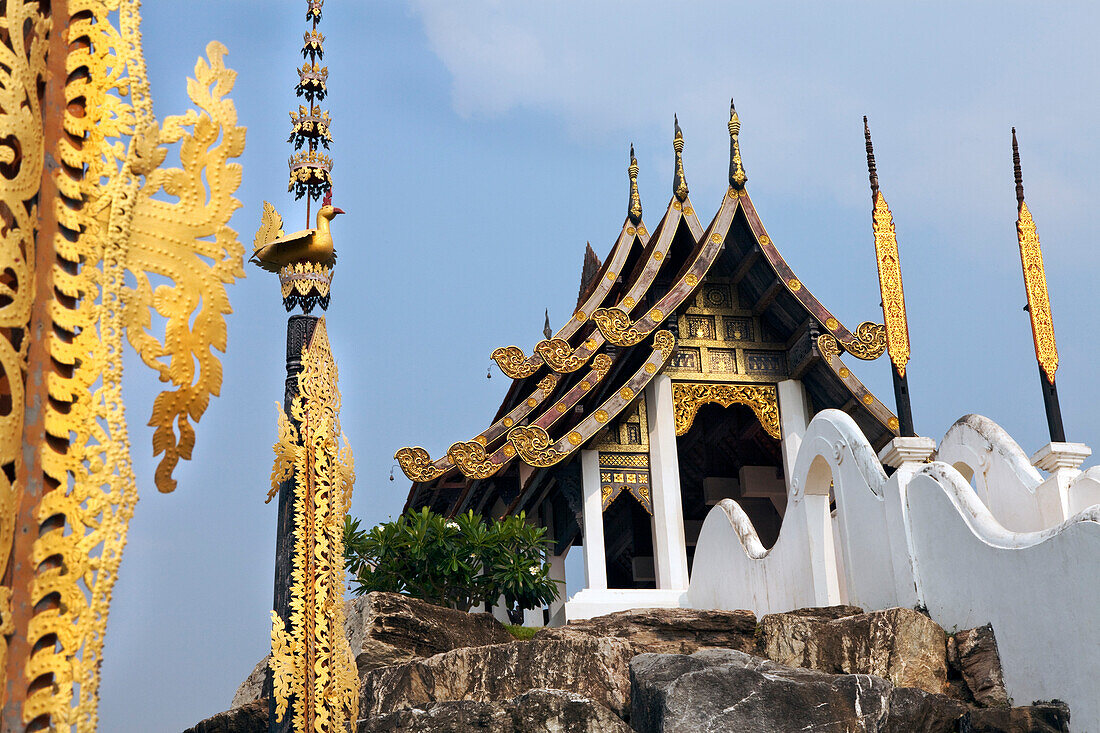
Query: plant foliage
(458, 562)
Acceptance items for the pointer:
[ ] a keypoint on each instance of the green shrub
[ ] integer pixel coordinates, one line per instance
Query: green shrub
(521, 633)
(458, 562)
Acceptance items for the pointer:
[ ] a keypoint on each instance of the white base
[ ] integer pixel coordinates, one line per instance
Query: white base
(1054, 456)
(588, 603)
(899, 451)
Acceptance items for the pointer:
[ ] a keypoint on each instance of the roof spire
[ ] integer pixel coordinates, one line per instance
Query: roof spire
(635, 210)
(1017, 170)
(679, 182)
(871, 171)
(546, 330)
(737, 171)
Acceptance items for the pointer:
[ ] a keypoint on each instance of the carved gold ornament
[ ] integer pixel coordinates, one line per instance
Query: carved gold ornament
(559, 356)
(513, 362)
(868, 342)
(417, 464)
(547, 384)
(471, 459)
(617, 327)
(889, 278)
(534, 446)
(312, 666)
(305, 283)
(828, 346)
(1038, 300)
(687, 398)
(76, 234)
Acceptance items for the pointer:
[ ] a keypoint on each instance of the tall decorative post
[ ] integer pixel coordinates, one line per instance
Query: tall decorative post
(893, 295)
(1038, 302)
(312, 685)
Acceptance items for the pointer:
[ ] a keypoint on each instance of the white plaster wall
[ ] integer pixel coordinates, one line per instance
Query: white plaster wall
(1084, 491)
(1037, 589)
(1004, 479)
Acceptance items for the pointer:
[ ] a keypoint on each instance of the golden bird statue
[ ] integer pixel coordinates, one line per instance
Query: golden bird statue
(273, 250)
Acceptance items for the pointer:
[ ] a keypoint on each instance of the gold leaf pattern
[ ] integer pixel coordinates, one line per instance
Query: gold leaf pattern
(417, 464)
(513, 362)
(889, 279)
(616, 327)
(559, 355)
(1038, 300)
(471, 459)
(534, 446)
(687, 398)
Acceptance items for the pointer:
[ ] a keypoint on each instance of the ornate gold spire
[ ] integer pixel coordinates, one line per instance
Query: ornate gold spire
(737, 171)
(635, 209)
(679, 182)
(1035, 279)
(889, 268)
(310, 171)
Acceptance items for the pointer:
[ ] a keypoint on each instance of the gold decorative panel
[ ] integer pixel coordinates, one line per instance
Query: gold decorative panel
(762, 398)
(1038, 302)
(893, 295)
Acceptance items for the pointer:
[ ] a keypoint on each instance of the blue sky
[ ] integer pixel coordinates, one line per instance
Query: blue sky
(479, 145)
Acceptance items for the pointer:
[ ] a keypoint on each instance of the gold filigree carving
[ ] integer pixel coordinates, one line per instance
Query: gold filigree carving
(687, 398)
(417, 464)
(559, 356)
(869, 342)
(312, 664)
(108, 214)
(534, 446)
(889, 278)
(513, 362)
(306, 283)
(828, 346)
(1038, 300)
(547, 384)
(617, 327)
(471, 459)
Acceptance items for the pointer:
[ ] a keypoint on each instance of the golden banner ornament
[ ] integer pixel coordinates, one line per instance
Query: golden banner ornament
(1038, 301)
(889, 280)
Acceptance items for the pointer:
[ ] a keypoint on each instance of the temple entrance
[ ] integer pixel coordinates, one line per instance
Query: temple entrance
(727, 453)
(628, 533)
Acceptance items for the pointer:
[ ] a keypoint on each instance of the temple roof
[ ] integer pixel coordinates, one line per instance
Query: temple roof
(628, 325)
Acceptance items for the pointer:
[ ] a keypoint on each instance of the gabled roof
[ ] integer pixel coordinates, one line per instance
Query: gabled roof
(625, 332)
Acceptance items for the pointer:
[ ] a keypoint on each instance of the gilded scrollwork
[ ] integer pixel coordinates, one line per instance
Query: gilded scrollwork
(868, 342)
(472, 460)
(535, 447)
(559, 355)
(687, 398)
(889, 278)
(312, 665)
(513, 362)
(828, 346)
(617, 327)
(547, 384)
(417, 464)
(600, 366)
(1038, 301)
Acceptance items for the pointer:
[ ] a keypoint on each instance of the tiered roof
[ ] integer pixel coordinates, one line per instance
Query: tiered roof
(626, 330)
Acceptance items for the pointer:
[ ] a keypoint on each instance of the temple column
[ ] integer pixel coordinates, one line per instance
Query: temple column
(595, 561)
(557, 574)
(669, 547)
(795, 413)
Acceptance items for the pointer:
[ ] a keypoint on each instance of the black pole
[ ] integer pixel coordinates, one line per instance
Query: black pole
(1054, 410)
(905, 409)
(299, 330)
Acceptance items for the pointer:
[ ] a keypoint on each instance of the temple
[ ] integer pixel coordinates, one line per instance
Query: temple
(694, 360)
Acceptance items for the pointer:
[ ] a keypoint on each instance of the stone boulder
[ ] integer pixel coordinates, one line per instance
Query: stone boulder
(727, 690)
(666, 630)
(536, 711)
(248, 718)
(594, 668)
(973, 655)
(389, 628)
(903, 646)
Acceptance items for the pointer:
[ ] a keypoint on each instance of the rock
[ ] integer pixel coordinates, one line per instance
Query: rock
(594, 668)
(1048, 717)
(727, 690)
(666, 630)
(389, 628)
(536, 711)
(916, 711)
(248, 718)
(974, 653)
(900, 645)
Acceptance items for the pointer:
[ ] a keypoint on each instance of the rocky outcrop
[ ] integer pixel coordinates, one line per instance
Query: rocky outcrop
(537, 711)
(248, 718)
(902, 646)
(594, 668)
(973, 654)
(666, 630)
(388, 628)
(728, 690)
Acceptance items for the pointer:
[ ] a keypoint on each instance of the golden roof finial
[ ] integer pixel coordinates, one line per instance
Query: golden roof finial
(737, 171)
(679, 182)
(889, 268)
(1035, 279)
(635, 210)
